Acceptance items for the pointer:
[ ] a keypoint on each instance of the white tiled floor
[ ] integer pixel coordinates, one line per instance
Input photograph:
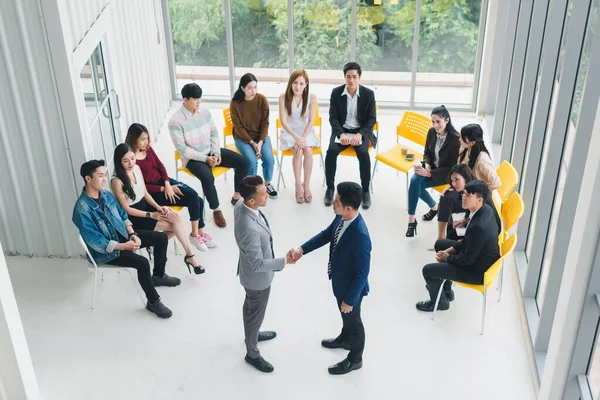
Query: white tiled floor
(120, 351)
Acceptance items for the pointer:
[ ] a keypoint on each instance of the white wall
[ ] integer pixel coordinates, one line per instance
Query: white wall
(41, 143)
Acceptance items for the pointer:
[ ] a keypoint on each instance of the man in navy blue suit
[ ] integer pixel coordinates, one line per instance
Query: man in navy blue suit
(348, 269)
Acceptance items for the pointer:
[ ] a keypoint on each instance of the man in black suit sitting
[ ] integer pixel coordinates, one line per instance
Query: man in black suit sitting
(464, 261)
(351, 111)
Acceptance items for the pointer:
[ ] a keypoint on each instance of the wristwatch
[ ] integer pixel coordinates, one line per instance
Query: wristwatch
(134, 233)
(147, 214)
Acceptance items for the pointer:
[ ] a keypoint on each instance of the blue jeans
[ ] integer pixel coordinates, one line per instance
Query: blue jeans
(418, 189)
(266, 151)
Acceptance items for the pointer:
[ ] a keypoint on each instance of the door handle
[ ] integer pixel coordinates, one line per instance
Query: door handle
(115, 97)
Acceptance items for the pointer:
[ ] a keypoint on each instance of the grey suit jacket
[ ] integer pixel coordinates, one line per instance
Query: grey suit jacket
(257, 263)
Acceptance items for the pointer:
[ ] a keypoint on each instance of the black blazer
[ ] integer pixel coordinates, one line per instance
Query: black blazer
(479, 249)
(451, 201)
(365, 110)
(448, 154)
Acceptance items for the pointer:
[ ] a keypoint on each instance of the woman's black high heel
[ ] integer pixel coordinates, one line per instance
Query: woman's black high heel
(197, 269)
(412, 229)
(430, 215)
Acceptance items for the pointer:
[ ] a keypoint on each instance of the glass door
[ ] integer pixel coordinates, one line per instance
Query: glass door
(101, 106)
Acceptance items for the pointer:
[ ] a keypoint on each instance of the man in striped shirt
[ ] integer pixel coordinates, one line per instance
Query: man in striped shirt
(196, 138)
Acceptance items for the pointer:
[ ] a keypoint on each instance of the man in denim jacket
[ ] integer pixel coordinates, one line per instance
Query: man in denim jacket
(110, 237)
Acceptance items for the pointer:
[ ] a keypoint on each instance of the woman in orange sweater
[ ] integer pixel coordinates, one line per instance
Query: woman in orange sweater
(250, 118)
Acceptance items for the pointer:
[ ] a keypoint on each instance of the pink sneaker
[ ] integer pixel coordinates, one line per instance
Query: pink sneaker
(209, 241)
(198, 242)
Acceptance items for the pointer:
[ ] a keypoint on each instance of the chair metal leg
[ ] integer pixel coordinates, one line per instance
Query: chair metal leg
(280, 162)
(279, 166)
(323, 167)
(176, 246)
(483, 310)
(95, 287)
(437, 300)
(406, 175)
(500, 283)
(373, 176)
(137, 286)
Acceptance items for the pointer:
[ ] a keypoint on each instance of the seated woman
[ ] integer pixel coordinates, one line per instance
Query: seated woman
(129, 188)
(297, 112)
(167, 191)
(439, 156)
(250, 118)
(451, 203)
(474, 153)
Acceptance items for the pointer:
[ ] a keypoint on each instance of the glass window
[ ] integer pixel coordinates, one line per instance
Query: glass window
(260, 42)
(594, 370)
(384, 47)
(322, 42)
(200, 45)
(566, 155)
(447, 51)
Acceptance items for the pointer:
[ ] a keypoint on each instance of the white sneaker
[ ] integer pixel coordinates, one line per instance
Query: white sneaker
(271, 191)
(198, 242)
(209, 241)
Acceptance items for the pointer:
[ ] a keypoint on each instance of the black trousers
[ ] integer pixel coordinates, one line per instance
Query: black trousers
(364, 161)
(190, 199)
(353, 331)
(434, 273)
(450, 202)
(203, 171)
(132, 260)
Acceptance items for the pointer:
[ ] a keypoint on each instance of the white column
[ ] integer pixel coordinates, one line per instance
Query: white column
(17, 377)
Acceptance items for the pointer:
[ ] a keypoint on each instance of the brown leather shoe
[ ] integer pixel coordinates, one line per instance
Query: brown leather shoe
(219, 219)
(234, 201)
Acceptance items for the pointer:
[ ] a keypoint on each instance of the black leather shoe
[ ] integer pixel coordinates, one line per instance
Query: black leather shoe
(449, 294)
(334, 344)
(159, 309)
(266, 335)
(344, 366)
(366, 201)
(328, 197)
(428, 305)
(165, 280)
(260, 364)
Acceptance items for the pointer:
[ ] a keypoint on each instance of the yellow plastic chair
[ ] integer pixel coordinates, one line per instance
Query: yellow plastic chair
(413, 128)
(228, 132)
(509, 177)
(317, 150)
(512, 210)
(217, 171)
(488, 278)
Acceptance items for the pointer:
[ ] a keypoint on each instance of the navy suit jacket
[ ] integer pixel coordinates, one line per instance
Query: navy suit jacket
(350, 261)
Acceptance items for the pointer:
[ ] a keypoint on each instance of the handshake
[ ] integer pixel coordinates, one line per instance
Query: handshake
(293, 255)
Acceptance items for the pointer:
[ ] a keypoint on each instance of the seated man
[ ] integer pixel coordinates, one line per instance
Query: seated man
(108, 233)
(351, 111)
(464, 261)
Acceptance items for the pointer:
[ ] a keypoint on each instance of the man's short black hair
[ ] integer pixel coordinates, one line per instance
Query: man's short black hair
(478, 188)
(249, 185)
(351, 194)
(352, 66)
(191, 91)
(89, 167)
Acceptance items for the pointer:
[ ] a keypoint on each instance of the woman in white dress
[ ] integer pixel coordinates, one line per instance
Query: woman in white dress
(297, 111)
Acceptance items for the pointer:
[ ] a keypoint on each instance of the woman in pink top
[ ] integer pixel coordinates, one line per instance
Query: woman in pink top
(167, 191)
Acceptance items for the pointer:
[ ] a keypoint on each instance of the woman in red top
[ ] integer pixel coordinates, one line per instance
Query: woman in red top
(167, 191)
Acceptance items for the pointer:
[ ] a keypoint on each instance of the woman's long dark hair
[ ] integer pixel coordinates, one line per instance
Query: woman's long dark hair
(442, 112)
(473, 133)
(245, 80)
(120, 172)
(134, 132)
(464, 171)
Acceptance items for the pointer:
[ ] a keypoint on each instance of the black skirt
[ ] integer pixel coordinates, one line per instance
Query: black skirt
(143, 223)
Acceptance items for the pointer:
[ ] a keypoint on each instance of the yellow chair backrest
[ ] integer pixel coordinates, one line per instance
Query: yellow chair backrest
(509, 177)
(414, 127)
(512, 210)
(492, 273)
(228, 130)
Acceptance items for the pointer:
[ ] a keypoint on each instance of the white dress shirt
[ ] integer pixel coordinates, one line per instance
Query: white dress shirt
(351, 107)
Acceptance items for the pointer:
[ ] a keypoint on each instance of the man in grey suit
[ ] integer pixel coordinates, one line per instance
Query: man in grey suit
(256, 265)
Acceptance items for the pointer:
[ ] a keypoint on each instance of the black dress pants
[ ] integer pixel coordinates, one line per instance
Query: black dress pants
(434, 273)
(203, 172)
(353, 331)
(364, 161)
(133, 260)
